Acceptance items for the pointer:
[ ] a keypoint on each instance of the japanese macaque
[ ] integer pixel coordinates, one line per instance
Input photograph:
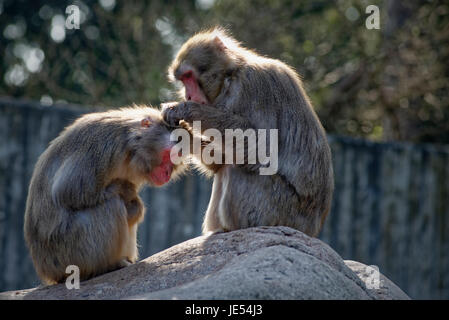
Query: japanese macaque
(83, 207)
(227, 86)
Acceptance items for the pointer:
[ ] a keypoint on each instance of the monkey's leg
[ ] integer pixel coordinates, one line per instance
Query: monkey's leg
(99, 238)
(135, 210)
(130, 252)
(218, 205)
(211, 221)
(211, 224)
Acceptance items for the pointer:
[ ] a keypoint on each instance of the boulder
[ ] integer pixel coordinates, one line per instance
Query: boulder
(254, 263)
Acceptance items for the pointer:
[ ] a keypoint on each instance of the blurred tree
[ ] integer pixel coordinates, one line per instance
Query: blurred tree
(387, 84)
(118, 56)
(381, 84)
(414, 94)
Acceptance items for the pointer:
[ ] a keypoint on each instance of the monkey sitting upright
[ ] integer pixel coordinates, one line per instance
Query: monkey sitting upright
(83, 206)
(230, 87)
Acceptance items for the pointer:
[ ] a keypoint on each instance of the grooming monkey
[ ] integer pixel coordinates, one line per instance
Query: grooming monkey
(227, 86)
(83, 206)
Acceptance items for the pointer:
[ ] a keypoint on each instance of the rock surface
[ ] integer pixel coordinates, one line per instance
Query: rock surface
(255, 263)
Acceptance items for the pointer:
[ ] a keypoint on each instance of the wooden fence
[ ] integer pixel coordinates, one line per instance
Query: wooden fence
(390, 208)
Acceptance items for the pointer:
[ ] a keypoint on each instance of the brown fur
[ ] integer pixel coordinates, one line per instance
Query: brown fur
(246, 90)
(83, 206)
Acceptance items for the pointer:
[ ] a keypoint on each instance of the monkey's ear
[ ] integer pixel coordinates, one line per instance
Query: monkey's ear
(219, 43)
(145, 122)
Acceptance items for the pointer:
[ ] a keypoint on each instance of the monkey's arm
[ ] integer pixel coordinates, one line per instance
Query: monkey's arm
(213, 118)
(213, 167)
(210, 117)
(127, 192)
(77, 184)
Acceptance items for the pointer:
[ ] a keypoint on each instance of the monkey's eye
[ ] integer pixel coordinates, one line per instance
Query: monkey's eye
(186, 75)
(202, 69)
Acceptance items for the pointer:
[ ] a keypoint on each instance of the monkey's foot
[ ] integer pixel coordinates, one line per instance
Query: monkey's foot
(124, 263)
(210, 233)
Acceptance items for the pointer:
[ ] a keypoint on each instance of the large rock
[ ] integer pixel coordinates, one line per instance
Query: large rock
(255, 263)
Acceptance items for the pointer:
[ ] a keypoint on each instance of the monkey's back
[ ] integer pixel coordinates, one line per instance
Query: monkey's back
(300, 193)
(66, 220)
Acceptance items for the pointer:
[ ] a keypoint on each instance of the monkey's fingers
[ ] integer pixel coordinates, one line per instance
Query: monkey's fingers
(170, 117)
(135, 211)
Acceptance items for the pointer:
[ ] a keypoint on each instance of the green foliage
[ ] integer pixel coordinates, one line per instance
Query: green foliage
(380, 84)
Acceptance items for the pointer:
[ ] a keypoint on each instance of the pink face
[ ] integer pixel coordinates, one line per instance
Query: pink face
(161, 174)
(193, 91)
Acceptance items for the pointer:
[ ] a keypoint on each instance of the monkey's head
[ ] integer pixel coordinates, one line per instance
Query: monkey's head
(202, 64)
(149, 148)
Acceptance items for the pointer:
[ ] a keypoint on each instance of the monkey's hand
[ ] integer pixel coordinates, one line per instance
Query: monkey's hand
(173, 112)
(135, 210)
(123, 188)
(127, 192)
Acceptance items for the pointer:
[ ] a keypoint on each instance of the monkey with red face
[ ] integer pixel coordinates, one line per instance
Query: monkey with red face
(227, 86)
(83, 206)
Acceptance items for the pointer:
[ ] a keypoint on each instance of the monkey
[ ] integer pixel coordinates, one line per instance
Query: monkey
(227, 86)
(83, 206)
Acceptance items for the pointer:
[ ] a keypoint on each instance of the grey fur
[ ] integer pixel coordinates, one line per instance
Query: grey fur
(83, 206)
(246, 90)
